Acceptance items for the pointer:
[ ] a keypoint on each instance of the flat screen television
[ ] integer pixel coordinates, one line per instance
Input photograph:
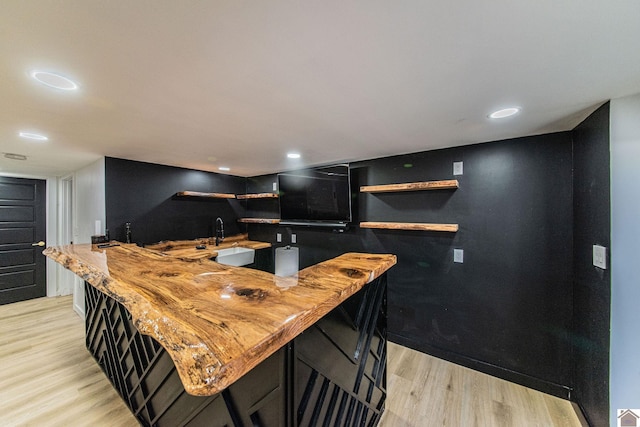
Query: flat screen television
(316, 197)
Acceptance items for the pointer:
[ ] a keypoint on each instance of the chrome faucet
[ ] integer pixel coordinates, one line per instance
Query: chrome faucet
(219, 230)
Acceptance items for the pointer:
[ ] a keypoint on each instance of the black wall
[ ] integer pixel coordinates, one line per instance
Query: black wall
(142, 193)
(507, 310)
(526, 305)
(592, 286)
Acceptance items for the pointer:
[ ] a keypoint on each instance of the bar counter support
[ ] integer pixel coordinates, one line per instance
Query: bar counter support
(334, 373)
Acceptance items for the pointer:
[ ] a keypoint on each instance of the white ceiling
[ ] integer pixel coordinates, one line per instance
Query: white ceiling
(203, 84)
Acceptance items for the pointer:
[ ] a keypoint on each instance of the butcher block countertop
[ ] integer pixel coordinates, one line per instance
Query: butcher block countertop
(187, 248)
(217, 322)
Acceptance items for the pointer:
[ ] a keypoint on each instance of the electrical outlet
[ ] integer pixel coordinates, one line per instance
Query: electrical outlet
(600, 256)
(458, 168)
(294, 239)
(275, 186)
(279, 237)
(458, 256)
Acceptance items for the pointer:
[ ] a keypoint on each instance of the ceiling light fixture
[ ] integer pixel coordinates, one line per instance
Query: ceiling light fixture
(54, 80)
(224, 168)
(14, 156)
(505, 112)
(293, 155)
(30, 135)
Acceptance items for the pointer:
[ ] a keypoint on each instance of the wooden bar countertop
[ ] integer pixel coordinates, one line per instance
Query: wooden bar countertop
(186, 249)
(217, 322)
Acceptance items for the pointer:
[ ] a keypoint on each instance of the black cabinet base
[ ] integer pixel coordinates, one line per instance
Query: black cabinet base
(340, 365)
(332, 374)
(147, 380)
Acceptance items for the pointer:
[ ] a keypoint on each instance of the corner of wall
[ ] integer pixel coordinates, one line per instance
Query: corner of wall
(624, 377)
(591, 286)
(89, 200)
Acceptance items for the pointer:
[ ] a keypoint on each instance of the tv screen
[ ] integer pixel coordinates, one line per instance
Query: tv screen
(321, 195)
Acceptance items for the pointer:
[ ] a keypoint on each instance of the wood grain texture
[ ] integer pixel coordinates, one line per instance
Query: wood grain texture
(257, 196)
(450, 184)
(217, 322)
(259, 220)
(205, 195)
(428, 392)
(345, 383)
(415, 226)
(168, 245)
(186, 249)
(49, 378)
(148, 381)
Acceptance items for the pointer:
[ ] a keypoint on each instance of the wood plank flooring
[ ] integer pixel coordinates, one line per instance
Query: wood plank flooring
(48, 378)
(425, 391)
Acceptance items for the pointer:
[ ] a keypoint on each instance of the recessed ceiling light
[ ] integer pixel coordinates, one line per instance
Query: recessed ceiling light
(505, 112)
(30, 135)
(14, 156)
(54, 80)
(293, 155)
(224, 168)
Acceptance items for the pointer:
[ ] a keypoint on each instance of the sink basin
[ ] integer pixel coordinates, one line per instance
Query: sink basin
(236, 256)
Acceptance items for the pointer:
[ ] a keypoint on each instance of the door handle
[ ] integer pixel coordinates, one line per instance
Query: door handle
(40, 243)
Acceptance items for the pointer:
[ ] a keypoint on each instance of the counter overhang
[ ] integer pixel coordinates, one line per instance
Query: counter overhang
(217, 322)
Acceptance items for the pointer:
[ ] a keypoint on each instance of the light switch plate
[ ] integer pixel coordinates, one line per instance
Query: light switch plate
(458, 255)
(294, 239)
(275, 186)
(278, 237)
(458, 168)
(600, 256)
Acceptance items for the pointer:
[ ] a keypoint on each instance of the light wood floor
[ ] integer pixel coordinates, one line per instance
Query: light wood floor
(425, 391)
(47, 378)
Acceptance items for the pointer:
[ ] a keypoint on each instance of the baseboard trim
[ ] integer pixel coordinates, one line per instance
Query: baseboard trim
(577, 408)
(553, 389)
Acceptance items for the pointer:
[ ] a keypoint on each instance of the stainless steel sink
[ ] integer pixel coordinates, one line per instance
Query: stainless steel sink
(236, 256)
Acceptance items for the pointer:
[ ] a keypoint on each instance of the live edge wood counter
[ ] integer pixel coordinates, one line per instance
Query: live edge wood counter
(187, 248)
(217, 322)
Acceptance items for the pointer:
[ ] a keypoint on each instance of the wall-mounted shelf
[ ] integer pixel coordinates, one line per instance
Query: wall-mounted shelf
(259, 220)
(414, 226)
(449, 184)
(205, 195)
(257, 196)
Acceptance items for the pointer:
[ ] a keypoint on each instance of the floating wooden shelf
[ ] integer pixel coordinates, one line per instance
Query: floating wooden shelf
(411, 186)
(205, 195)
(259, 220)
(416, 226)
(257, 196)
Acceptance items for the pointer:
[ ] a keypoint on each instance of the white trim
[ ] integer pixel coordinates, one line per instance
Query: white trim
(52, 235)
(66, 279)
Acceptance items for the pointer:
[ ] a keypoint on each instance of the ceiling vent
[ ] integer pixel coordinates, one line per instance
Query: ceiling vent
(14, 156)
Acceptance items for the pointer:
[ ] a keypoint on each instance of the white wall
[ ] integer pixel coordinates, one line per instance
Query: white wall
(89, 184)
(89, 207)
(625, 255)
